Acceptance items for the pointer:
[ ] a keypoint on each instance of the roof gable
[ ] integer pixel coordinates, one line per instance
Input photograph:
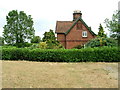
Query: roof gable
(66, 26)
(63, 26)
(89, 28)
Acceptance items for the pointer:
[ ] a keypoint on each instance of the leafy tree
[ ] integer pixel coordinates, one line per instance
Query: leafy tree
(19, 28)
(101, 32)
(50, 39)
(36, 39)
(113, 25)
(1, 41)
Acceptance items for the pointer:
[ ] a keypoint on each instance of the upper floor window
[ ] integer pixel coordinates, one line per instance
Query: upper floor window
(84, 34)
(79, 25)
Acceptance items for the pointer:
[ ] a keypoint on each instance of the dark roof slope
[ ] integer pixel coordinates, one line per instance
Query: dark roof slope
(66, 26)
(63, 26)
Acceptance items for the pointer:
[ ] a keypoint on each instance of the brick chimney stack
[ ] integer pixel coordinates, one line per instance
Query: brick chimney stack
(76, 14)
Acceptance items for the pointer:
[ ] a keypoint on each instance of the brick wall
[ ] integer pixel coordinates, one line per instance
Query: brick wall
(74, 37)
(61, 39)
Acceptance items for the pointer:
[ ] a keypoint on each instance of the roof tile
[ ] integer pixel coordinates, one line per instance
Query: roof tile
(63, 26)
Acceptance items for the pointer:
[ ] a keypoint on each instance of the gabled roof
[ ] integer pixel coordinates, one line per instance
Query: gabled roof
(63, 26)
(66, 26)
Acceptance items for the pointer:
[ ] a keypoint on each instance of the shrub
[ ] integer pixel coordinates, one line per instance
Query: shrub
(22, 45)
(54, 46)
(6, 46)
(101, 41)
(33, 46)
(104, 54)
(36, 39)
(79, 47)
(42, 45)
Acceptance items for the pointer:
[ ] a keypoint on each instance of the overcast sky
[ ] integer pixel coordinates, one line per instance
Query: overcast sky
(45, 13)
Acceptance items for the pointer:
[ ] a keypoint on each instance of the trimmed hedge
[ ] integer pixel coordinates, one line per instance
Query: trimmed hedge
(104, 54)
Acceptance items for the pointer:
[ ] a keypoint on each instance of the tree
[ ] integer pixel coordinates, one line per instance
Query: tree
(36, 39)
(101, 32)
(19, 28)
(1, 41)
(50, 39)
(113, 25)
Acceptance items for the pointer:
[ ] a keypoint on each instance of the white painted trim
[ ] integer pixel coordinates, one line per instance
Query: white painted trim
(84, 34)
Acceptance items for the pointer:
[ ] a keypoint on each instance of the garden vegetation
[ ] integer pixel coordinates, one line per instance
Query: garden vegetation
(98, 54)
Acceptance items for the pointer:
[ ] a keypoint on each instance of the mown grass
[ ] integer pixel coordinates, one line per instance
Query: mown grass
(25, 74)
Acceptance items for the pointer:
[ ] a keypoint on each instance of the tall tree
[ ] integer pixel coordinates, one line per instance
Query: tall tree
(112, 24)
(19, 28)
(101, 32)
(50, 39)
(1, 41)
(36, 39)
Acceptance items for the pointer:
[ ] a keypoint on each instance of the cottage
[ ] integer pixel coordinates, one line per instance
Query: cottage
(73, 33)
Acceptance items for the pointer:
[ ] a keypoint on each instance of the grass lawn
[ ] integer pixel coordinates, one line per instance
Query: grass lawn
(25, 74)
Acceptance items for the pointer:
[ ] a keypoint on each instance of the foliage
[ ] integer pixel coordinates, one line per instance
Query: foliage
(1, 41)
(50, 39)
(78, 47)
(101, 32)
(101, 41)
(33, 46)
(7, 46)
(113, 25)
(59, 46)
(36, 39)
(19, 28)
(22, 45)
(104, 54)
(42, 45)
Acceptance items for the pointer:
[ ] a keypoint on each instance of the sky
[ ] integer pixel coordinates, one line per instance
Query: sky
(45, 13)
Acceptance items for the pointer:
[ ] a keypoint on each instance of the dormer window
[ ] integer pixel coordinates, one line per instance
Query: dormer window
(79, 25)
(84, 34)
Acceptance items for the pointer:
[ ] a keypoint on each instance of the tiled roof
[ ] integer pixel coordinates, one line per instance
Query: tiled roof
(63, 26)
(66, 26)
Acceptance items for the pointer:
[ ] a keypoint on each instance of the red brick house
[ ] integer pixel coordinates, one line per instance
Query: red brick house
(73, 33)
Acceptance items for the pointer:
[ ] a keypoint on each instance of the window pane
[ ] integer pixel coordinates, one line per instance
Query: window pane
(84, 34)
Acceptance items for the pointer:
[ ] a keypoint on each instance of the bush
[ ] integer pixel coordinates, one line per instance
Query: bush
(33, 46)
(36, 39)
(101, 41)
(42, 45)
(78, 47)
(22, 45)
(6, 46)
(104, 54)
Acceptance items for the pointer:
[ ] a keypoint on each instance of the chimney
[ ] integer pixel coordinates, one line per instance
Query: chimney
(76, 14)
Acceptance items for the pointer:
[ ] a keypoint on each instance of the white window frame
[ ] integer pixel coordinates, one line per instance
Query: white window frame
(84, 34)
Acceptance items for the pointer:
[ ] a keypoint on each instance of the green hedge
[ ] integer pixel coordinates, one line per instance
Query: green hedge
(101, 42)
(104, 54)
